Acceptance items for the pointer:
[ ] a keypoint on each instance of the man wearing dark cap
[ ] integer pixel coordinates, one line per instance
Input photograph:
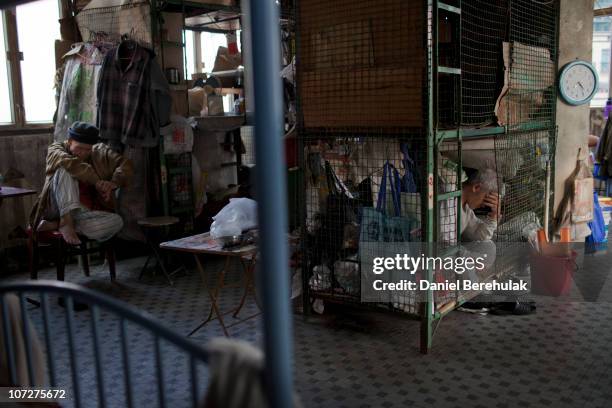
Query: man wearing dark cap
(78, 195)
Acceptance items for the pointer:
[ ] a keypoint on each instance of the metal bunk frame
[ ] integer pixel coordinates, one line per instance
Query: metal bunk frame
(98, 303)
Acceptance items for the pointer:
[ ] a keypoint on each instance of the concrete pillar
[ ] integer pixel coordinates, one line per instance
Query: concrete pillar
(575, 42)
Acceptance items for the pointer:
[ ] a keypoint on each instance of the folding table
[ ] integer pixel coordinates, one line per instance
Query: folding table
(204, 244)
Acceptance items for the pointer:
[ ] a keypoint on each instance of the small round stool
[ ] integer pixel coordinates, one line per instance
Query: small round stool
(156, 230)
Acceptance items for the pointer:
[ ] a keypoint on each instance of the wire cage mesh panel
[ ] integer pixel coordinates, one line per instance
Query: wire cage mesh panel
(447, 85)
(523, 157)
(362, 63)
(247, 135)
(344, 189)
(109, 24)
(483, 29)
(447, 112)
(449, 179)
(530, 55)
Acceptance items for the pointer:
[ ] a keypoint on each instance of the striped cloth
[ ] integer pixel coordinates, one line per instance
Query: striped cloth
(96, 225)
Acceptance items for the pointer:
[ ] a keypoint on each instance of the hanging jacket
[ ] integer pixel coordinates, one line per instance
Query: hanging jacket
(133, 97)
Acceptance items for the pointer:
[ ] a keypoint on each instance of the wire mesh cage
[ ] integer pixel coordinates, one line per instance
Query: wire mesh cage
(348, 180)
(524, 156)
(481, 55)
(378, 79)
(362, 63)
(530, 56)
(109, 24)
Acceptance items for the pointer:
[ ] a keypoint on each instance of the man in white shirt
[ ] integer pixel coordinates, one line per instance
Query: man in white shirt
(480, 190)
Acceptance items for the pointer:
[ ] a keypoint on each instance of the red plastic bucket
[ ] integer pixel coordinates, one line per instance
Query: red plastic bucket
(552, 275)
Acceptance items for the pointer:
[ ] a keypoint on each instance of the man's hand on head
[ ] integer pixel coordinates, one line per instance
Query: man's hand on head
(491, 200)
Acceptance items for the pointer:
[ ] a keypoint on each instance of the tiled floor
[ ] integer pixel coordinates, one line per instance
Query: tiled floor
(559, 357)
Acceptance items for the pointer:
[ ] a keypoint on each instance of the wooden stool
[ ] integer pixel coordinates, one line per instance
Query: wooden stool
(155, 230)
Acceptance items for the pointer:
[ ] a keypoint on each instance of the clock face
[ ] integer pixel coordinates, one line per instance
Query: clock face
(578, 83)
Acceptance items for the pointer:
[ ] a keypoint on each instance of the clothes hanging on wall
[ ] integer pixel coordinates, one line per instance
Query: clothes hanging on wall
(77, 101)
(133, 97)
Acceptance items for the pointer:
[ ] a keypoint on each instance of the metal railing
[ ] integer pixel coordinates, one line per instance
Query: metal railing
(96, 302)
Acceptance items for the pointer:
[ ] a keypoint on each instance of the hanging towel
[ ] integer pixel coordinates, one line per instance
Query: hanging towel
(19, 349)
(236, 376)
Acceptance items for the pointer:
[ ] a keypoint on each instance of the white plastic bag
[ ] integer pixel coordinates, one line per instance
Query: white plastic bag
(238, 216)
(178, 135)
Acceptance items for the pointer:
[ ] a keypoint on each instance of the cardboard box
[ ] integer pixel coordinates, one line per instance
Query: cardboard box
(362, 63)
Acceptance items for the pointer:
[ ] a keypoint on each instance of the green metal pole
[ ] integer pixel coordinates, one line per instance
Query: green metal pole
(432, 37)
(459, 105)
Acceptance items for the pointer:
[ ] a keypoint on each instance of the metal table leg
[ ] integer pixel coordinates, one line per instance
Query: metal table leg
(213, 294)
(160, 263)
(144, 267)
(249, 283)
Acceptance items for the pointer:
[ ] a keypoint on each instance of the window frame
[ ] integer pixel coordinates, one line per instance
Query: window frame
(15, 81)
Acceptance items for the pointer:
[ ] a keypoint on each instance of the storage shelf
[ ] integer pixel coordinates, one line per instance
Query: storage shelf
(532, 126)
(451, 134)
(227, 73)
(467, 133)
(194, 6)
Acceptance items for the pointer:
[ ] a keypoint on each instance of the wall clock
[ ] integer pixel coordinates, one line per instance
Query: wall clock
(578, 82)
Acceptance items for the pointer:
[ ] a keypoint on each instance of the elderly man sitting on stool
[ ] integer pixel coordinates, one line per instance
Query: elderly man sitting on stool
(78, 194)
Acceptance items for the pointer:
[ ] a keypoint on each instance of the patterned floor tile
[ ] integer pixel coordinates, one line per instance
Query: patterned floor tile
(558, 357)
